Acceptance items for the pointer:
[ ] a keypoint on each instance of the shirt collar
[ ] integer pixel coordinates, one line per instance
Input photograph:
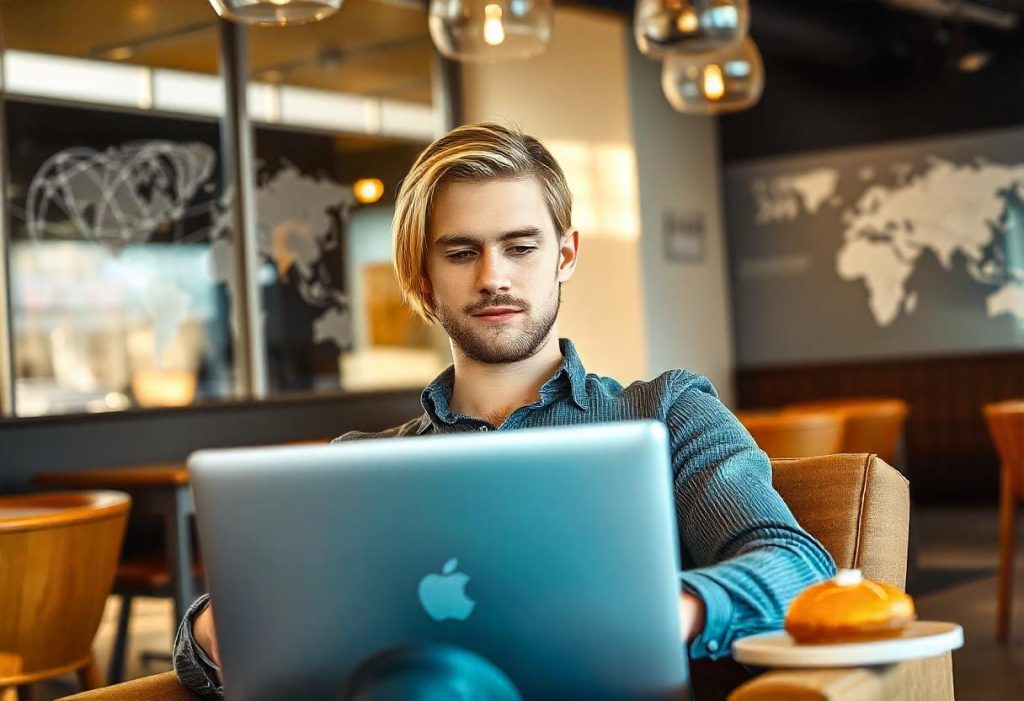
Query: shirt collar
(436, 397)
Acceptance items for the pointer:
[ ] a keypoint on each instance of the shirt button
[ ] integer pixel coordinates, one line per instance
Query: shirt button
(483, 428)
(712, 646)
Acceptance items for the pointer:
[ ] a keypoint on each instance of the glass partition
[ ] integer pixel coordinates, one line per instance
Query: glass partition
(342, 107)
(114, 203)
(119, 228)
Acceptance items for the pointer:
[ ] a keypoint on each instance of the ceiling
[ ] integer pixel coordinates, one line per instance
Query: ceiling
(370, 47)
(863, 35)
(382, 47)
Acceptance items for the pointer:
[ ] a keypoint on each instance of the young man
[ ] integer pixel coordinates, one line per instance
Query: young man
(483, 241)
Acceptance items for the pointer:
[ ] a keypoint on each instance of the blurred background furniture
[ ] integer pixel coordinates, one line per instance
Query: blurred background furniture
(141, 576)
(160, 489)
(873, 425)
(857, 506)
(58, 554)
(870, 425)
(784, 434)
(1006, 424)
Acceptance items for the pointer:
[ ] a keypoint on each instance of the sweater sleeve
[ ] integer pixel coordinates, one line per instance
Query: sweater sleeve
(744, 554)
(194, 669)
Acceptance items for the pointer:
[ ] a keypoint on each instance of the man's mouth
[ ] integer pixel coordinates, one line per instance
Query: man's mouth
(497, 313)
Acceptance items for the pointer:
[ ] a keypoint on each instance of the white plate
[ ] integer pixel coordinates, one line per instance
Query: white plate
(919, 639)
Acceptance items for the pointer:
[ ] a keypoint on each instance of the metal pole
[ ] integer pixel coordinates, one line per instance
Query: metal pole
(240, 171)
(446, 93)
(7, 378)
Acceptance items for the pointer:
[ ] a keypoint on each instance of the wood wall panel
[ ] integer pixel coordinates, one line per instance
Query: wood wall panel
(950, 457)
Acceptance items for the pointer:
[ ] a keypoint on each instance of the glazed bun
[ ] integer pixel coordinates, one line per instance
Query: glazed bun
(848, 608)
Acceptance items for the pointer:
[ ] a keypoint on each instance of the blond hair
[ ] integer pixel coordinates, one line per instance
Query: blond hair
(470, 153)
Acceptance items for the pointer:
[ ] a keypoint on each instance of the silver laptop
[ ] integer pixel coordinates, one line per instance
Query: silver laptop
(551, 553)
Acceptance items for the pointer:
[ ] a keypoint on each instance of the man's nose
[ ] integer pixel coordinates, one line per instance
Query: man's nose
(493, 273)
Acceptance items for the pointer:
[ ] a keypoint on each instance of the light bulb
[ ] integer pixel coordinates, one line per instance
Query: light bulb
(368, 190)
(689, 26)
(714, 85)
(494, 31)
(688, 21)
(488, 31)
(718, 82)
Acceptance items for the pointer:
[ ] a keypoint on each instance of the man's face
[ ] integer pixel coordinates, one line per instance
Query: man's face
(495, 264)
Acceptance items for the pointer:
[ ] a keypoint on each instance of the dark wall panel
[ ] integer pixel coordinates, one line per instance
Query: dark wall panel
(848, 73)
(31, 446)
(843, 74)
(950, 457)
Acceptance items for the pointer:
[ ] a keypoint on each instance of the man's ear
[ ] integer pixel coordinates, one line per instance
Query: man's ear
(425, 287)
(568, 254)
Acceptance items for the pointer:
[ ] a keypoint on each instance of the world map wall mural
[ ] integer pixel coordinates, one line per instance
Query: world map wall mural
(914, 248)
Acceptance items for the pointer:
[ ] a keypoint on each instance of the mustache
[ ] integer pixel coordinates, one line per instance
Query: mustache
(501, 300)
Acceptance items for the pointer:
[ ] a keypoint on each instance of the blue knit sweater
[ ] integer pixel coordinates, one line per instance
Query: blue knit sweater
(742, 551)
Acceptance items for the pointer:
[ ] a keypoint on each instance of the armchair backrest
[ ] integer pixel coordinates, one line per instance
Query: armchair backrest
(856, 505)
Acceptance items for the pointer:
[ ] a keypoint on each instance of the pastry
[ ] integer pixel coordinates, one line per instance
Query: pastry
(848, 608)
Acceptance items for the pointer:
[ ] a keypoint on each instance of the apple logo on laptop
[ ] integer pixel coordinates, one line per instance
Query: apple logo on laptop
(443, 596)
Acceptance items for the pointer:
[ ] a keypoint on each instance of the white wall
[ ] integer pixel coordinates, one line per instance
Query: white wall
(687, 303)
(575, 99)
(597, 104)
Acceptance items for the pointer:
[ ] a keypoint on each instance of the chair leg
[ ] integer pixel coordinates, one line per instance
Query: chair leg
(1007, 507)
(89, 675)
(115, 672)
(11, 693)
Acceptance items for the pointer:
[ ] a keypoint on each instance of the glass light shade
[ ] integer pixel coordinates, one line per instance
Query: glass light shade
(488, 31)
(717, 82)
(689, 26)
(275, 12)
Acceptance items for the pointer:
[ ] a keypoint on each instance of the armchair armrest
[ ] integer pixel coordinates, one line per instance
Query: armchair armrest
(928, 679)
(159, 687)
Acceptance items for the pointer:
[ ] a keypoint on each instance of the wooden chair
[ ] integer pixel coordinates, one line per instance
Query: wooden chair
(870, 425)
(58, 553)
(1006, 424)
(785, 434)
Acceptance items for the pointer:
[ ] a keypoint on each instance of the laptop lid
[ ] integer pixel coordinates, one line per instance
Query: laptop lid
(550, 552)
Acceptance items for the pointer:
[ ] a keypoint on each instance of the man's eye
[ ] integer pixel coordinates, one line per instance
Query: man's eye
(521, 250)
(460, 256)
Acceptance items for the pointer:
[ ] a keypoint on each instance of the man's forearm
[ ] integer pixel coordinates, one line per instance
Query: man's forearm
(749, 593)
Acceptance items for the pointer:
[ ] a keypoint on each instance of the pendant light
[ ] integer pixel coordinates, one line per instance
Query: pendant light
(275, 12)
(716, 82)
(689, 26)
(488, 31)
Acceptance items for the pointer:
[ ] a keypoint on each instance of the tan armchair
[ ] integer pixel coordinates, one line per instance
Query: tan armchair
(859, 508)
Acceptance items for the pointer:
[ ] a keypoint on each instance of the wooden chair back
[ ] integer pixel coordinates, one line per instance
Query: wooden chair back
(1006, 425)
(794, 434)
(870, 424)
(58, 554)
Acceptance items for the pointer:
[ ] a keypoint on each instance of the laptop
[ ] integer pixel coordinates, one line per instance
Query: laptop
(551, 553)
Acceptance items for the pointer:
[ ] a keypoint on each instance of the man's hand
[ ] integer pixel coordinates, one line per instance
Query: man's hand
(205, 634)
(691, 615)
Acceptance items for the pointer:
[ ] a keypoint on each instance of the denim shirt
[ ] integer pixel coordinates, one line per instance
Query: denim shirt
(742, 551)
